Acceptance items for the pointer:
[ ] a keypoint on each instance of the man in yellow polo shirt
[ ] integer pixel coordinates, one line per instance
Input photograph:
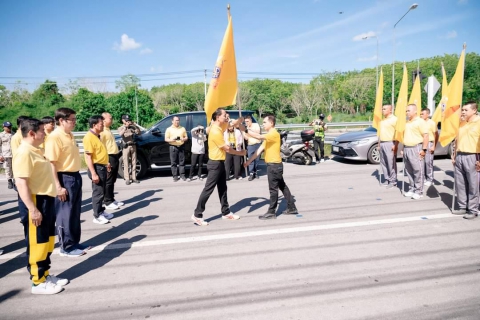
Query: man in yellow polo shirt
(388, 147)
(176, 135)
(432, 142)
(113, 158)
(271, 144)
(36, 204)
(467, 154)
(17, 137)
(64, 155)
(96, 157)
(217, 177)
(415, 141)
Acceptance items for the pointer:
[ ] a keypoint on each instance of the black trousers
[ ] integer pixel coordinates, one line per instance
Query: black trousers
(319, 145)
(235, 160)
(216, 177)
(98, 189)
(196, 159)
(111, 179)
(40, 240)
(177, 159)
(275, 181)
(68, 212)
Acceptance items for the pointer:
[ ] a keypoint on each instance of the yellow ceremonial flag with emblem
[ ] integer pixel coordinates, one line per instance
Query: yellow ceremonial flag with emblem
(377, 112)
(416, 95)
(451, 116)
(401, 107)
(222, 91)
(438, 114)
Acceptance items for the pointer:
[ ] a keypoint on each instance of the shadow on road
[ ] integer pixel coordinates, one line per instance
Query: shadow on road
(8, 295)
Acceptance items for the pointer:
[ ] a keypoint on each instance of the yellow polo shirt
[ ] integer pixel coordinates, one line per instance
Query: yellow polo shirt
(387, 128)
(272, 146)
(469, 136)
(15, 142)
(95, 147)
(173, 132)
(432, 128)
(414, 131)
(255, 128)
(32, 165)
(61, 148)
(215, 143)
(108, 140)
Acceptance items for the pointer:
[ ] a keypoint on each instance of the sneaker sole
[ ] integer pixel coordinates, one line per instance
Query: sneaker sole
(71, 256)
(199, 223)
(224, 218)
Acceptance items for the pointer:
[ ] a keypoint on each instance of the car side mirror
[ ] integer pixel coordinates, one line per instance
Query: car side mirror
(156, 132)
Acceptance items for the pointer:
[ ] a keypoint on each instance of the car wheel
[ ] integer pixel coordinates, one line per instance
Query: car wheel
(374, 154)
(141, 167)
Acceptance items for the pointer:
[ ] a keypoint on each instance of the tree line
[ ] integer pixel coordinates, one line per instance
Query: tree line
(343, 94)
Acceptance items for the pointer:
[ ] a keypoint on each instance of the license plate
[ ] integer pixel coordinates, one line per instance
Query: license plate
(335, 149)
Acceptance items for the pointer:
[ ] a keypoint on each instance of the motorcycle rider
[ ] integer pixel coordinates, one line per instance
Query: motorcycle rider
(319, 127)
(128, 132)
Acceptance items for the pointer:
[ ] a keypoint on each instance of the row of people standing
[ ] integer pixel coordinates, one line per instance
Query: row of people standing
(420, 138)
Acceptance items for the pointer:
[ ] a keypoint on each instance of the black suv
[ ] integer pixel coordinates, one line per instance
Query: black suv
(153, 151)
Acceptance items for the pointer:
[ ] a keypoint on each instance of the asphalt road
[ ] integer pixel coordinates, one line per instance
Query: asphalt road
(356, 251)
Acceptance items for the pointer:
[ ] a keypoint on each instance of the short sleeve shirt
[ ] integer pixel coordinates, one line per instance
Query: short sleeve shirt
(387, 128)
(173, 132)
(61, 148)
(414, 131)
(469, 136)
(272, 146)
(108, 140)
(95, 147)
(432, 128)
(215, 143)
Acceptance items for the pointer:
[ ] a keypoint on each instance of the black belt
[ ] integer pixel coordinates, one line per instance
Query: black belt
(99, 165)
(217, 160)
(274, 164)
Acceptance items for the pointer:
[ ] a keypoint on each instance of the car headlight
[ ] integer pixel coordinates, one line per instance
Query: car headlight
(358, 142)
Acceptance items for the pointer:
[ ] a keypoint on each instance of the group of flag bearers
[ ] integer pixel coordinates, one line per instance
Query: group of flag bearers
(460, 126)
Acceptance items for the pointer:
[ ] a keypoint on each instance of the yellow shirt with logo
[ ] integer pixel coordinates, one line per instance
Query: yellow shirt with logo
(271, 146)
(173, 132)
(432, 129)
(387, 128)
(32, 165)
(469, 136)
(15, 142)
(107, 138)
(215, 143)
(93, 145)
(414, 131)
(61, 148)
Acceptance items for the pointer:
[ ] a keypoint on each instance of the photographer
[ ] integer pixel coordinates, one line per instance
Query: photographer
(128, 132)
(233, 137)
(319, 127)
(198, 151)
(176, 136)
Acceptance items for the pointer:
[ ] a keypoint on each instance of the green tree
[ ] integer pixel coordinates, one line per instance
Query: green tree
(124, 103)
(127, 81)
(87, 104)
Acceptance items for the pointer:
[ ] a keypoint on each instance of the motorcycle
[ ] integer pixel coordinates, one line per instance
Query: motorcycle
(299, 151)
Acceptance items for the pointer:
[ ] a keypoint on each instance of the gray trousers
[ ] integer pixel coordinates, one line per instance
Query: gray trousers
(429, 163)
(388, 162)
(466, 181)
(414, 167)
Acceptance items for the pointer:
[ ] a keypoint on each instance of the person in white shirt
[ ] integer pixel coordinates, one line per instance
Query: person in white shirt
(198, 151)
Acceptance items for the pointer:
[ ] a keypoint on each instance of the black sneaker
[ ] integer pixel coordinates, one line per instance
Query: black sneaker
(10, 184)
(136, 181)
(268, 216)
(175, 179)
(290, 211)
(127, 182)
(251, 177)
(183, 178)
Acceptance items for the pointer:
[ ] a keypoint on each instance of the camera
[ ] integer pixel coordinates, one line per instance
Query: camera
(178, 138)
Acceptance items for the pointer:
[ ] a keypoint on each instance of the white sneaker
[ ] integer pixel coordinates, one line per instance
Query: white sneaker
(322, 160)
(58, 281)
(100, 220)
(199, 221)
(416, 196)
(428, 183)
(112, 206)
(231, 216)
(119, 203)
(46, 288)
(408, 194)
(107, 215)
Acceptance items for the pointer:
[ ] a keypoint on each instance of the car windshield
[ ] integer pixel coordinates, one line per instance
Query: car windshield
(371, 129)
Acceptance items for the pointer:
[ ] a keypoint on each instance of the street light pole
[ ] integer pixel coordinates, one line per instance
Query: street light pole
(136, 100)
(412, 7)
(374, 36)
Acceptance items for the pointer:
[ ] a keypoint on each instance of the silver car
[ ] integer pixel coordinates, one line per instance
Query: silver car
(362, 146)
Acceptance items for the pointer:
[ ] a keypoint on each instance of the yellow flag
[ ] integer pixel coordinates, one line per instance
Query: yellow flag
(222, 91)
(451, 116)
(401, 107)
(438, 114)
(377, 112)
(416, 95)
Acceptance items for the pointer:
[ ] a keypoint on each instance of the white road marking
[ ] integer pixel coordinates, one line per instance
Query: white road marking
(254, 233)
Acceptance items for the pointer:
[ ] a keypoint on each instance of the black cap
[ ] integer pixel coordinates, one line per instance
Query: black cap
(126, 117)
(322, 116)
(7, 124)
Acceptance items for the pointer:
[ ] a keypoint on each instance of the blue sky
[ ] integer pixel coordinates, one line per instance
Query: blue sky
(151, 38)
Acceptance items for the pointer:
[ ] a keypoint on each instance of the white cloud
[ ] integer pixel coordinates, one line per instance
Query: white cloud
(367, 59)
(462, 1)
(146, 51)
(451, 34)
(360, 36)
(126, 44)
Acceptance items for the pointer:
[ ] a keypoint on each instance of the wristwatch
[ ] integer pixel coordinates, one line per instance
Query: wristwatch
(424, 150)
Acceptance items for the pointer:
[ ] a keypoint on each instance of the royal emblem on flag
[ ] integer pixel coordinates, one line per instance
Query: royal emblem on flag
(216, 72)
